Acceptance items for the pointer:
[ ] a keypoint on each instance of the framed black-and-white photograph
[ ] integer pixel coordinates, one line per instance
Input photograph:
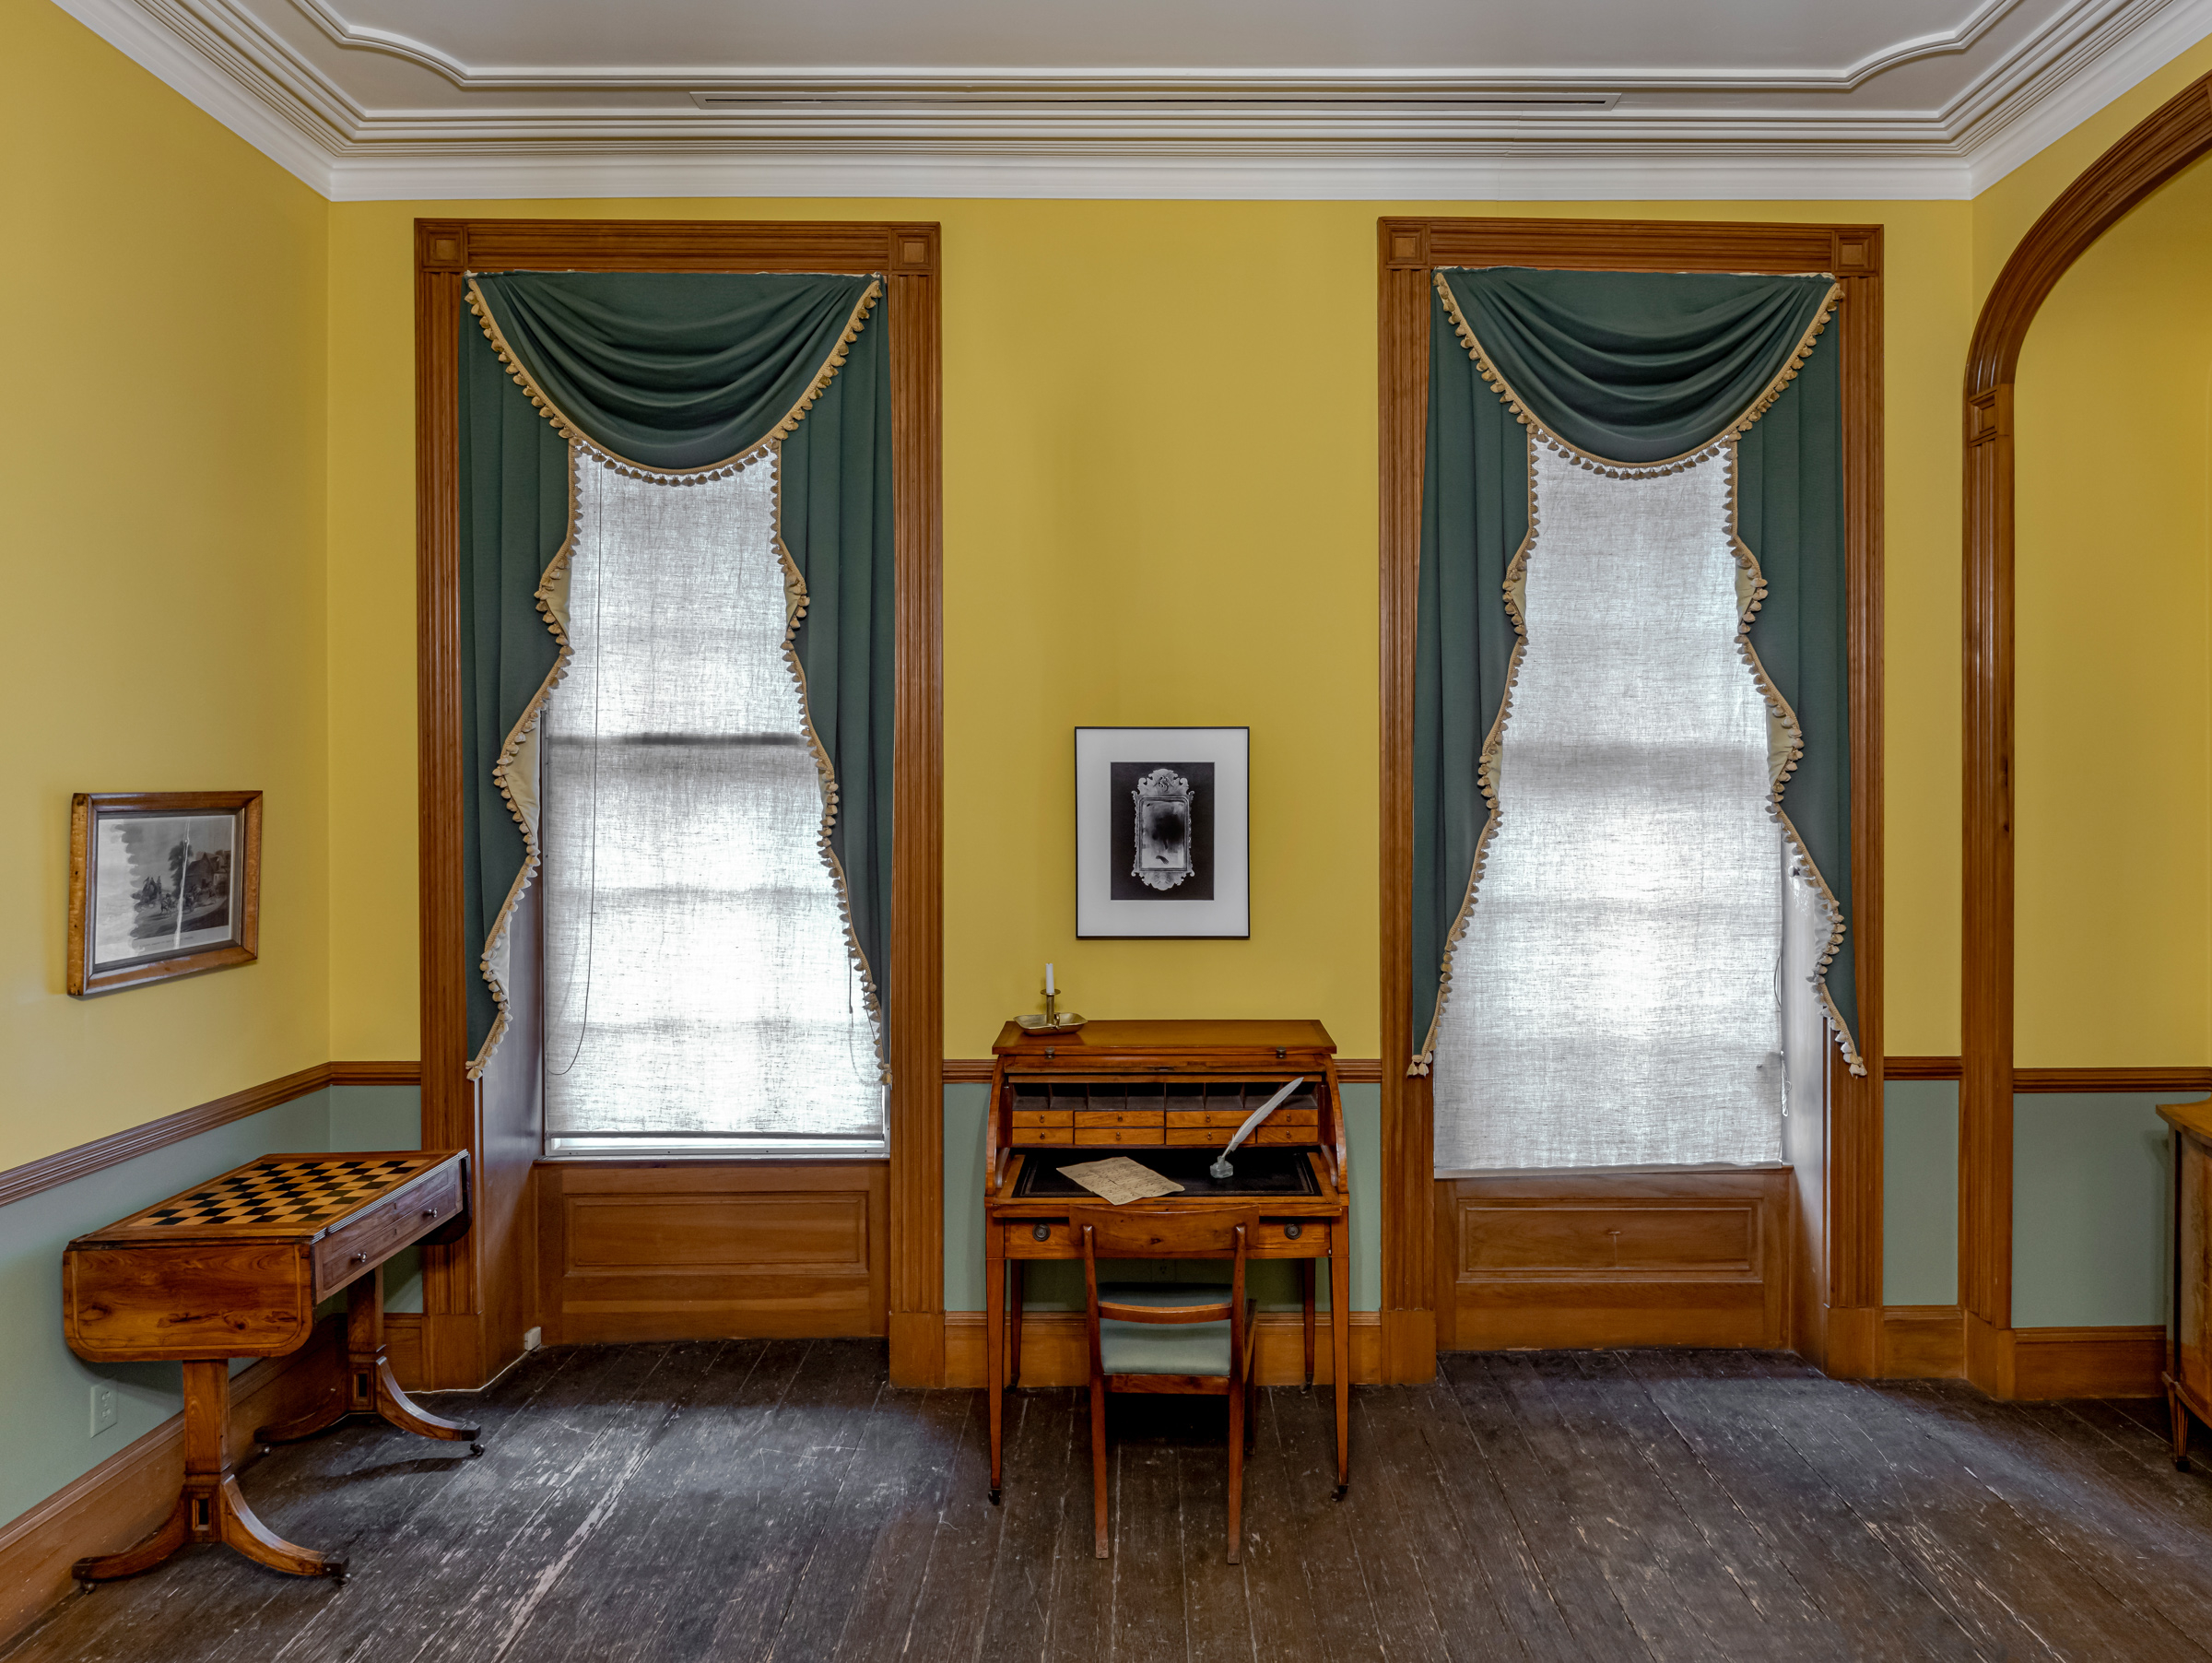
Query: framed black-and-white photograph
(161, 884)
(1161, 845)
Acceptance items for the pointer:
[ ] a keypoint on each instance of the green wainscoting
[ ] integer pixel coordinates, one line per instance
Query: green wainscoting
(1059, 1287)
(1920, 1191)
(2091, 1201)
(2091, 1204)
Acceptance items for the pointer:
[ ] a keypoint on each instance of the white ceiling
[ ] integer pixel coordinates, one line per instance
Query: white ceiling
(1362, 99)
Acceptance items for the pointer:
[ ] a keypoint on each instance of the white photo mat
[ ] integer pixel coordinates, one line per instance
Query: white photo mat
(1215, 900)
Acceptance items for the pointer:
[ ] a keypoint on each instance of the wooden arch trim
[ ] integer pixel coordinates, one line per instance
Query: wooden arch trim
(1837, 1259)
(2161, 146)
(477, 1292)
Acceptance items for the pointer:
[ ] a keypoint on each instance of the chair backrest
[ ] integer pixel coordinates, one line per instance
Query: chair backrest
(1116, 1233)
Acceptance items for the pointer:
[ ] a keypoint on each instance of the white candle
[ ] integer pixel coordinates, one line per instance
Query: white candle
(1048, 978)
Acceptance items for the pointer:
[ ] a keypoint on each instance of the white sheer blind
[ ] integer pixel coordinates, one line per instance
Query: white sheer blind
(1617, 995)
(699, 995)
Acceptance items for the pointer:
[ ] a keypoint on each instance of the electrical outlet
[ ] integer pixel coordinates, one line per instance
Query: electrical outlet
(103, 1408)
(533, 1339)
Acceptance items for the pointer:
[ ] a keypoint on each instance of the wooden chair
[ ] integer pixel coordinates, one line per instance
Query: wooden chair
(1130, 1351)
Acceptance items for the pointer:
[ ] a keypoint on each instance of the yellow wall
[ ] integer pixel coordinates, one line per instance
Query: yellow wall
(1159, 484)
(2113, 564)
(161, 461)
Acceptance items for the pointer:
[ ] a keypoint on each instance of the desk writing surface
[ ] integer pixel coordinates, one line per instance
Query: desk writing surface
(1259, 1173)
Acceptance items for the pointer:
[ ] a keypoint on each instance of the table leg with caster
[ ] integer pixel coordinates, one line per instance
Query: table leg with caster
(210, 1507)
(370, 1388)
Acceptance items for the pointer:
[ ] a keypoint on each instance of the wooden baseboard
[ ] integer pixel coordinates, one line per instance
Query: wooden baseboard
(1923, 1342)
(2089, 1362)
(1053, 1349)
(1408, 1347)
(126, 1495)
(917, 1349)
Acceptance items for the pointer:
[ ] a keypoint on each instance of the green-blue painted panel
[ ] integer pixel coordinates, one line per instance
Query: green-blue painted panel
(1920, 1191)
(2091, 1197)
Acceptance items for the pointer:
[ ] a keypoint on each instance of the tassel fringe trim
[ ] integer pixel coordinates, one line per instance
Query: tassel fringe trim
(1786, 742)
(491, 963)
(675, 476)
(1495, 378)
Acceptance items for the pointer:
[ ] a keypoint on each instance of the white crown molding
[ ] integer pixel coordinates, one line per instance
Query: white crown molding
(1279, 135)
(1583, 173)
(1023, 83)
(2039, 117)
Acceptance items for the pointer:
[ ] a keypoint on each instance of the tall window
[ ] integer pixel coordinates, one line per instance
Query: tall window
(1630, 717)
(701, 994)
(1617, 995)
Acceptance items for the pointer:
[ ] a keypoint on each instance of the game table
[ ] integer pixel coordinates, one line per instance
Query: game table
(234, 1268)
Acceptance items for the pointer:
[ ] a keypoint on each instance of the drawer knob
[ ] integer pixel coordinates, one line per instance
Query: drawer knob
(1042, 1232)
(430, 1212)
(361, 1259)
(1292, 1230)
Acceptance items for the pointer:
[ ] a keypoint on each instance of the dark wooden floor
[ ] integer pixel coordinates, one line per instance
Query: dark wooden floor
(753, 1500)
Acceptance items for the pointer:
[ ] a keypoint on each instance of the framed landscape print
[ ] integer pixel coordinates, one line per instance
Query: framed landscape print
(1161, 816)
(161, 884)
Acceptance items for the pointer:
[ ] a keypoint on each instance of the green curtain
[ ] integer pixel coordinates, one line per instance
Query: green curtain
(1633, 368)
(680, 371)
(1636, 366)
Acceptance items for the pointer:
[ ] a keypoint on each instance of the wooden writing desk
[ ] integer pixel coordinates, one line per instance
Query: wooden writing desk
(1170, 1094)
(234, 1268)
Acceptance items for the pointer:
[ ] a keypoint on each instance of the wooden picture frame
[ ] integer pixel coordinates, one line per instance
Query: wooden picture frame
(144, 861)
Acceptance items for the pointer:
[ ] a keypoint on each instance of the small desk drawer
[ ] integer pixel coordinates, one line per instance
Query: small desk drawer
(1276, 1241)
(1139, 1137)
(1272, 1133)
(1032, 1120)
(1090, 1120)
(1060, 1239)
(375, 1235)
(1056, 1137)
(1224, 1120)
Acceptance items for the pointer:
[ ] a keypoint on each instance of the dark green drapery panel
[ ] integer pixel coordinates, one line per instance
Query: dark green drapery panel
(514, 515)
(672, 369)
(1636, 366)
(1789, 511)
(680, 371)
(1590, 355)
(1474, 516)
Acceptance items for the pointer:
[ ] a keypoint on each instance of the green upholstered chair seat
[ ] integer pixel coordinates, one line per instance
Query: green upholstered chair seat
(1150, 1347)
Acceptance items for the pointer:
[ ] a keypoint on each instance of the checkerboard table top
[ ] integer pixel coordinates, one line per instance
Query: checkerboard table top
(279, 1195)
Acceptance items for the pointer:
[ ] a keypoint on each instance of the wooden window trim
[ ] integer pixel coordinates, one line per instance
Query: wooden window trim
(1837, 1318)
(476, 1289)
(2161, 146)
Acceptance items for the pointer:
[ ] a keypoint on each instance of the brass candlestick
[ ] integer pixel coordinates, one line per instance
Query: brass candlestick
(1052, 1021)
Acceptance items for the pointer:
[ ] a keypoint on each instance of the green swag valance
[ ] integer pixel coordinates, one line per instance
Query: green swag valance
(1635, 372)
(681, 376)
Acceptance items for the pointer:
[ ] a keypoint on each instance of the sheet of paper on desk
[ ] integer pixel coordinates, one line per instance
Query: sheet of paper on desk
(1120, 1179)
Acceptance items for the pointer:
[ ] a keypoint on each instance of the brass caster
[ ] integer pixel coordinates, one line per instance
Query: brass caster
(994, 1495)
